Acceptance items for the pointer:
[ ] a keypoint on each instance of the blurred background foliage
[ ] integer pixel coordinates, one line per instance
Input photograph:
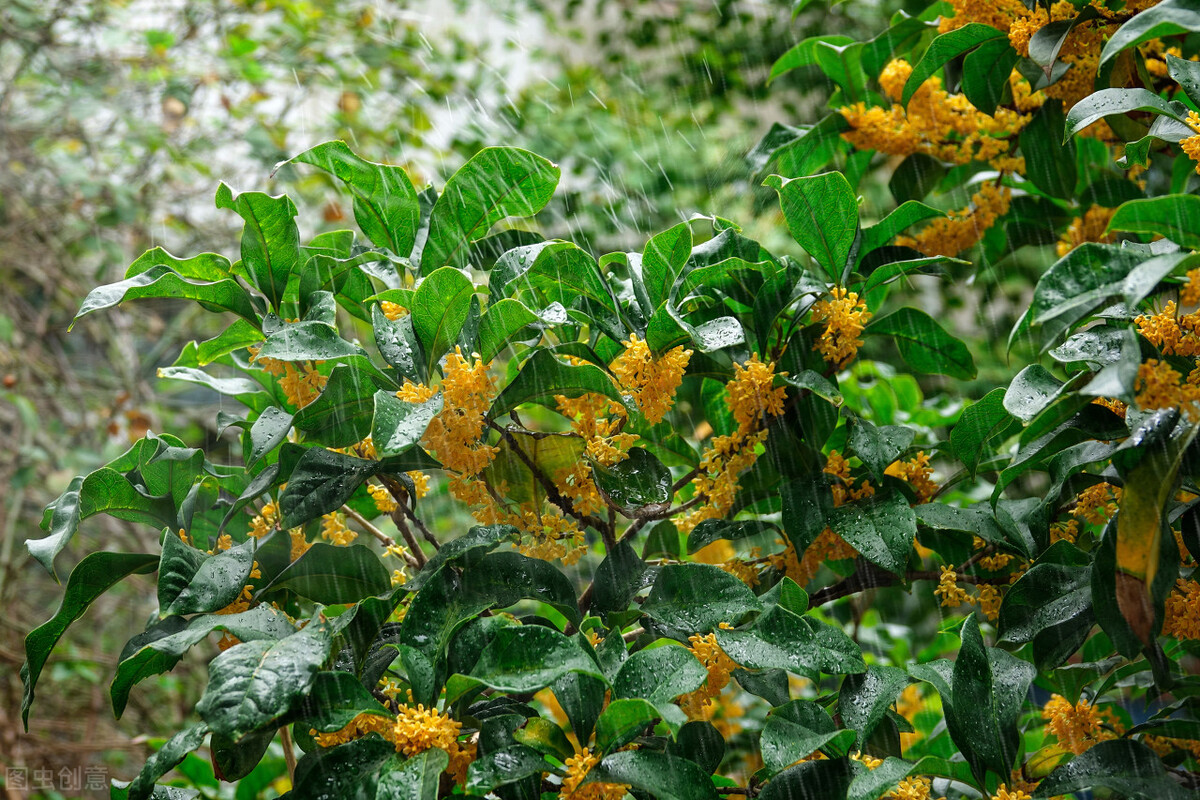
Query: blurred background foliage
(118, 117)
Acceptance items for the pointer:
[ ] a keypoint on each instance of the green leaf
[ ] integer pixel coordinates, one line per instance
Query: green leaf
(701, 743)
(877, 447)
(397, 343)
(989, 688)
(507, 578)
(440, 307)
(1128, 768)
(268, 432)
(341, 415)
(497, 182)
(1051, 606)
(663, 259)
(881, 528)
(638, 486)
(712, 530)
(331, 574)
(1110, 102)
(622, 721)
(908, 213)
(695, 598)
(986, 71)
(871, 784)
(322, 481)
(924, 344)
(944, 48)
(108, 491)
(659, 674)
(166, 759)
(582, 699)
(811, 780)
(528, 658)
(351, 770)
(483, 538)
(252, 684)
(545, 737)
(305, 341)
(506, 765)
(216, 583)
(662, 776)
(865, 698)
(161, 647)
(1031, 391)
(822, 216)
(915, 177)
(1165, 19)
(234, 387)
(62, 524)
(543, 376)
(203, 267)
(803, 54)
(337, 698)
(979, 424)
(397, 426)
(503, 319)
(1049, 159)
(619, 577)
(385, 203)
(270, 239)
(234, 761)
(781, 639)
(163, 282)
(561, 270)
(1174, 216)
(798, 729)
(802, 150)
(92, 577)
(1047, 41)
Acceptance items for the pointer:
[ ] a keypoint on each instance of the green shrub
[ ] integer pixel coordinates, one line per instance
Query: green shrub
(514, 519)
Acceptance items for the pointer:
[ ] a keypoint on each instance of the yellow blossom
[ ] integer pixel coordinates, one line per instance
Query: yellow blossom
(299, 544)
(1097, 504)
(948, 589)
(751, 394)
(573, 787)
(417, 729)
(949, 236)
(917, 473)
(844, 317)
(264, 522)
(1077, 727)
(1182, 615)
(1189, 295)
(1004, 793)
(384, 502)
(1091, 227)
(915, 788)
(333, 529)
(1159, 385)
(652, 381)
(392, 311)
(719, 665)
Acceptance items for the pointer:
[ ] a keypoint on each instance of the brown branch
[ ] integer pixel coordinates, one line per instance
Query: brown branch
(413, 544)
(289, 754)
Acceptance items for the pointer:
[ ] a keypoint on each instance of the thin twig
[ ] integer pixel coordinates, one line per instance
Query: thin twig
(387, 541)
(289, 754)
(413, 545)
(425, 532)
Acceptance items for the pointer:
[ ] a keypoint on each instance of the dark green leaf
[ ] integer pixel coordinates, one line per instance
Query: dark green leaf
(321, 482)
(254, 683)
(62, 523)
(341, 415)
(712, 530)
(659, 674)
(623, 721)
(1049, 161)
(331, 574)
(637, 486)
(1123, 766)
(986, 71)
(924, 344)
(543, 376)
(811, 780)
(349, 770)
(397, 426)
(915, 177)
(979, 424)
(877, 447)
(944, 48)
(506, 765)
(880, 528)
(781, 639)
(871, 784)
(92, 577)
(216, 583)
(268, 432)
(663, 776)
(166, 759)
(695, 598)
(865, 698)
(529, 657)
(1175, 217)
(797, 730)
(1165, 19)
(663, 259)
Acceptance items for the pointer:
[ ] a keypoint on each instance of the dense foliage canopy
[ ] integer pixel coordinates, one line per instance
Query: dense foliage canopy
(694, 520)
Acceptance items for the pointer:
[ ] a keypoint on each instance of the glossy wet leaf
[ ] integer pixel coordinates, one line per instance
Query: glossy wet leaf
(663, 776)
(1050, 605)
(543, 376)
(270, 239)
(166, 759)
(528, 658)
(798, 729)
(865, 698)
(880, 528)
(695, 598)
(1123, 766)
(945, 47)
(924, 344)
(659, 674)
(216, 583)
(396, 426)
(784, 640)
(163, 282)
(639, 485)
(254, 683)
(331, 574)
(811, 780)
(92, 577)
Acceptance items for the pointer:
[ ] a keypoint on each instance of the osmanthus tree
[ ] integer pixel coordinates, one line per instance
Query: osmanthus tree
(511, 520)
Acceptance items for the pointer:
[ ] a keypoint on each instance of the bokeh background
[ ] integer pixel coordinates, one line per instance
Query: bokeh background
(119, 117)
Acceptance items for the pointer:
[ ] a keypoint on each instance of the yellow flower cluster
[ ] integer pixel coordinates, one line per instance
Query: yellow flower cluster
(652, 381)
(455, 435)
(414, 730)
(384, 502)
(917, 473)
(1114, 405)
(551, 537)
(1165, 746)
(844, 317)
(948, 589)
(1189, 295)
(943, 125)
(1182, 615)
(1174, 337)
(333, 529)
(750, 396)
(578, 766)
(1004, 793)
(719, 666)
(1079, 726)
(265, 521)
(299, 545)
(392, 311)
(300, 386)
(949, 236)
(1159, 385)
(994, 562)
(598, 421)
(1097, 504)
(1091, 227)
(916, 788)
